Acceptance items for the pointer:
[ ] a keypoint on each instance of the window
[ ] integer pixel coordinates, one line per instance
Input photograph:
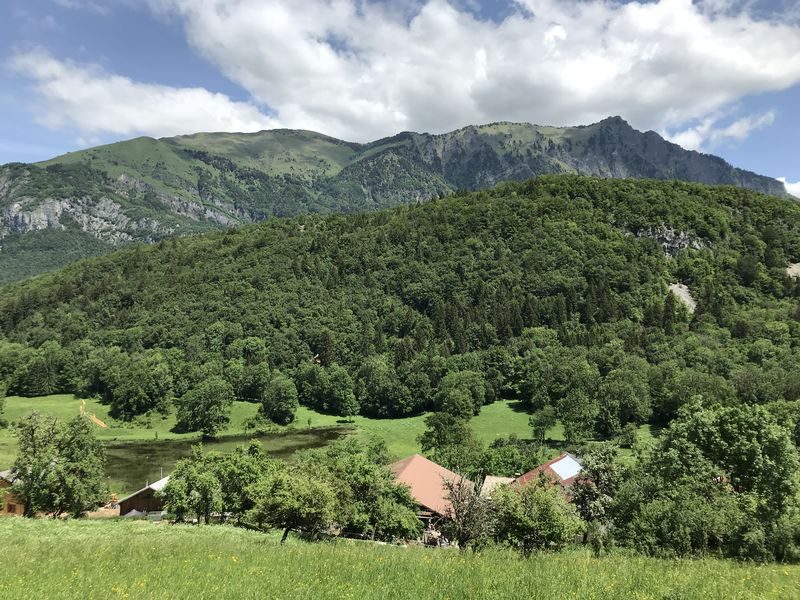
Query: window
(12, 508)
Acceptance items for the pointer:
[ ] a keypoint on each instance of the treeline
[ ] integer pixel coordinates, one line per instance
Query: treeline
(346, 488)
(719, 481)
(552, 291)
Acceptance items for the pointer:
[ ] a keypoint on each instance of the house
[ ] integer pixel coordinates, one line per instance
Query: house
(144, 501)
(563, 469)
(426, 480)
(11, 505)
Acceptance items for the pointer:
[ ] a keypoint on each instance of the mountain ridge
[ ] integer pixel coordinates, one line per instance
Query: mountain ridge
(146, 189)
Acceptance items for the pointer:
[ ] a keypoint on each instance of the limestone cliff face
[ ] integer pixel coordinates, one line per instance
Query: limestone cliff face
(101, 216)
(671, 240)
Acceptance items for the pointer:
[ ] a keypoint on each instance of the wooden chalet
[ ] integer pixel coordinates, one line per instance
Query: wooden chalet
(144, 501)
(11, 504)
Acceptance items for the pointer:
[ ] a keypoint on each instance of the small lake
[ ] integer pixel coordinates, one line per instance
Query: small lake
(132, 465)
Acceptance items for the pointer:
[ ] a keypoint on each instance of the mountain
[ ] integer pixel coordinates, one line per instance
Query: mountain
(86, 202)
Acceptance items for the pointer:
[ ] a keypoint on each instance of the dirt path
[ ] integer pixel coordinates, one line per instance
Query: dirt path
(793, 270)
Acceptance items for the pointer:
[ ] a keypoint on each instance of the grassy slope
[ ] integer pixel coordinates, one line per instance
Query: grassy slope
(276, 152)
(143, 560)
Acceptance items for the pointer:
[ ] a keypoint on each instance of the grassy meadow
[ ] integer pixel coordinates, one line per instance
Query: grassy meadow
(144, 560)
(141, 451)
(496, 420)
(65, 407)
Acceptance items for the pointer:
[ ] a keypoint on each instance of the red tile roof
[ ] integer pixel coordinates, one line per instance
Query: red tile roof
(547, 469)
(426, 480)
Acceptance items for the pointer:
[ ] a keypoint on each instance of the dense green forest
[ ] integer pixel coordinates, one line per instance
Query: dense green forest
(553, 292)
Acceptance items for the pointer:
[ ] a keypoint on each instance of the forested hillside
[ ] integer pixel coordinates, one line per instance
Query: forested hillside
(144, 190)
(553, 291)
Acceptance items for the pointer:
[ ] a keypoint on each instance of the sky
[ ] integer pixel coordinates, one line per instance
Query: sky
(718, 76)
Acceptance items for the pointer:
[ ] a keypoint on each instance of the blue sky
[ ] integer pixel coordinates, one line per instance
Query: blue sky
(719, 76)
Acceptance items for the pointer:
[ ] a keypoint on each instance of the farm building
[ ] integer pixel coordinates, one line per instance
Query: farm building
(562, 470)
(491, 483)
(426, 480)
(144, 501)
(11, 504)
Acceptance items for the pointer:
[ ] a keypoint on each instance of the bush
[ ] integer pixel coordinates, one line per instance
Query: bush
(535, 516)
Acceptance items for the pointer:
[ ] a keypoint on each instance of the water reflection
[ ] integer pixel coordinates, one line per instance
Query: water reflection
(130, 466)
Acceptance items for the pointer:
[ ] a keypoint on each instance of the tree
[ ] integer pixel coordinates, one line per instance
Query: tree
(206, 408)
(535, 516)
(596, 486)
(578, 412)
(2, 403)
(60, 467)
(82, 468)
(542, 421)
(194, 487)
(461, 393)
(744, 443)
(457, 402)
(720, 480)
(36, 482)
(380, 392)
(341, 398)
(369, 501)
(509, 457)
(294, 501)
(142, 383)
(469, 517)
(449, 441)
(280, 400)
(237, 472)
(624, 397)
(444, 429)
(43, 373)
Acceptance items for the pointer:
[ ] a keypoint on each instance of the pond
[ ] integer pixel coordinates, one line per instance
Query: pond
(132, 465)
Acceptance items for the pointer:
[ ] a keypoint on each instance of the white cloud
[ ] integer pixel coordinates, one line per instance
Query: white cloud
(360, 70)
(792, 188)
(103, 7)
(92, 101)
(707, 134)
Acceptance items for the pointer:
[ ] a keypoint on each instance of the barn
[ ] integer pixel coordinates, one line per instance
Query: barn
(11, 504)
(563, 469)
(426, 480)
(144, 501)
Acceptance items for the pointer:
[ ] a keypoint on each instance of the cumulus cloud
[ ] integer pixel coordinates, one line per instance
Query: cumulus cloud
(84, 5)
(792, 188)
(360, 69)
(707, 133)
(92, 101)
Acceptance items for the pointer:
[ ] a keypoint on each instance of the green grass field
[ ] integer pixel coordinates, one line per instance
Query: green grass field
(143, 560)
